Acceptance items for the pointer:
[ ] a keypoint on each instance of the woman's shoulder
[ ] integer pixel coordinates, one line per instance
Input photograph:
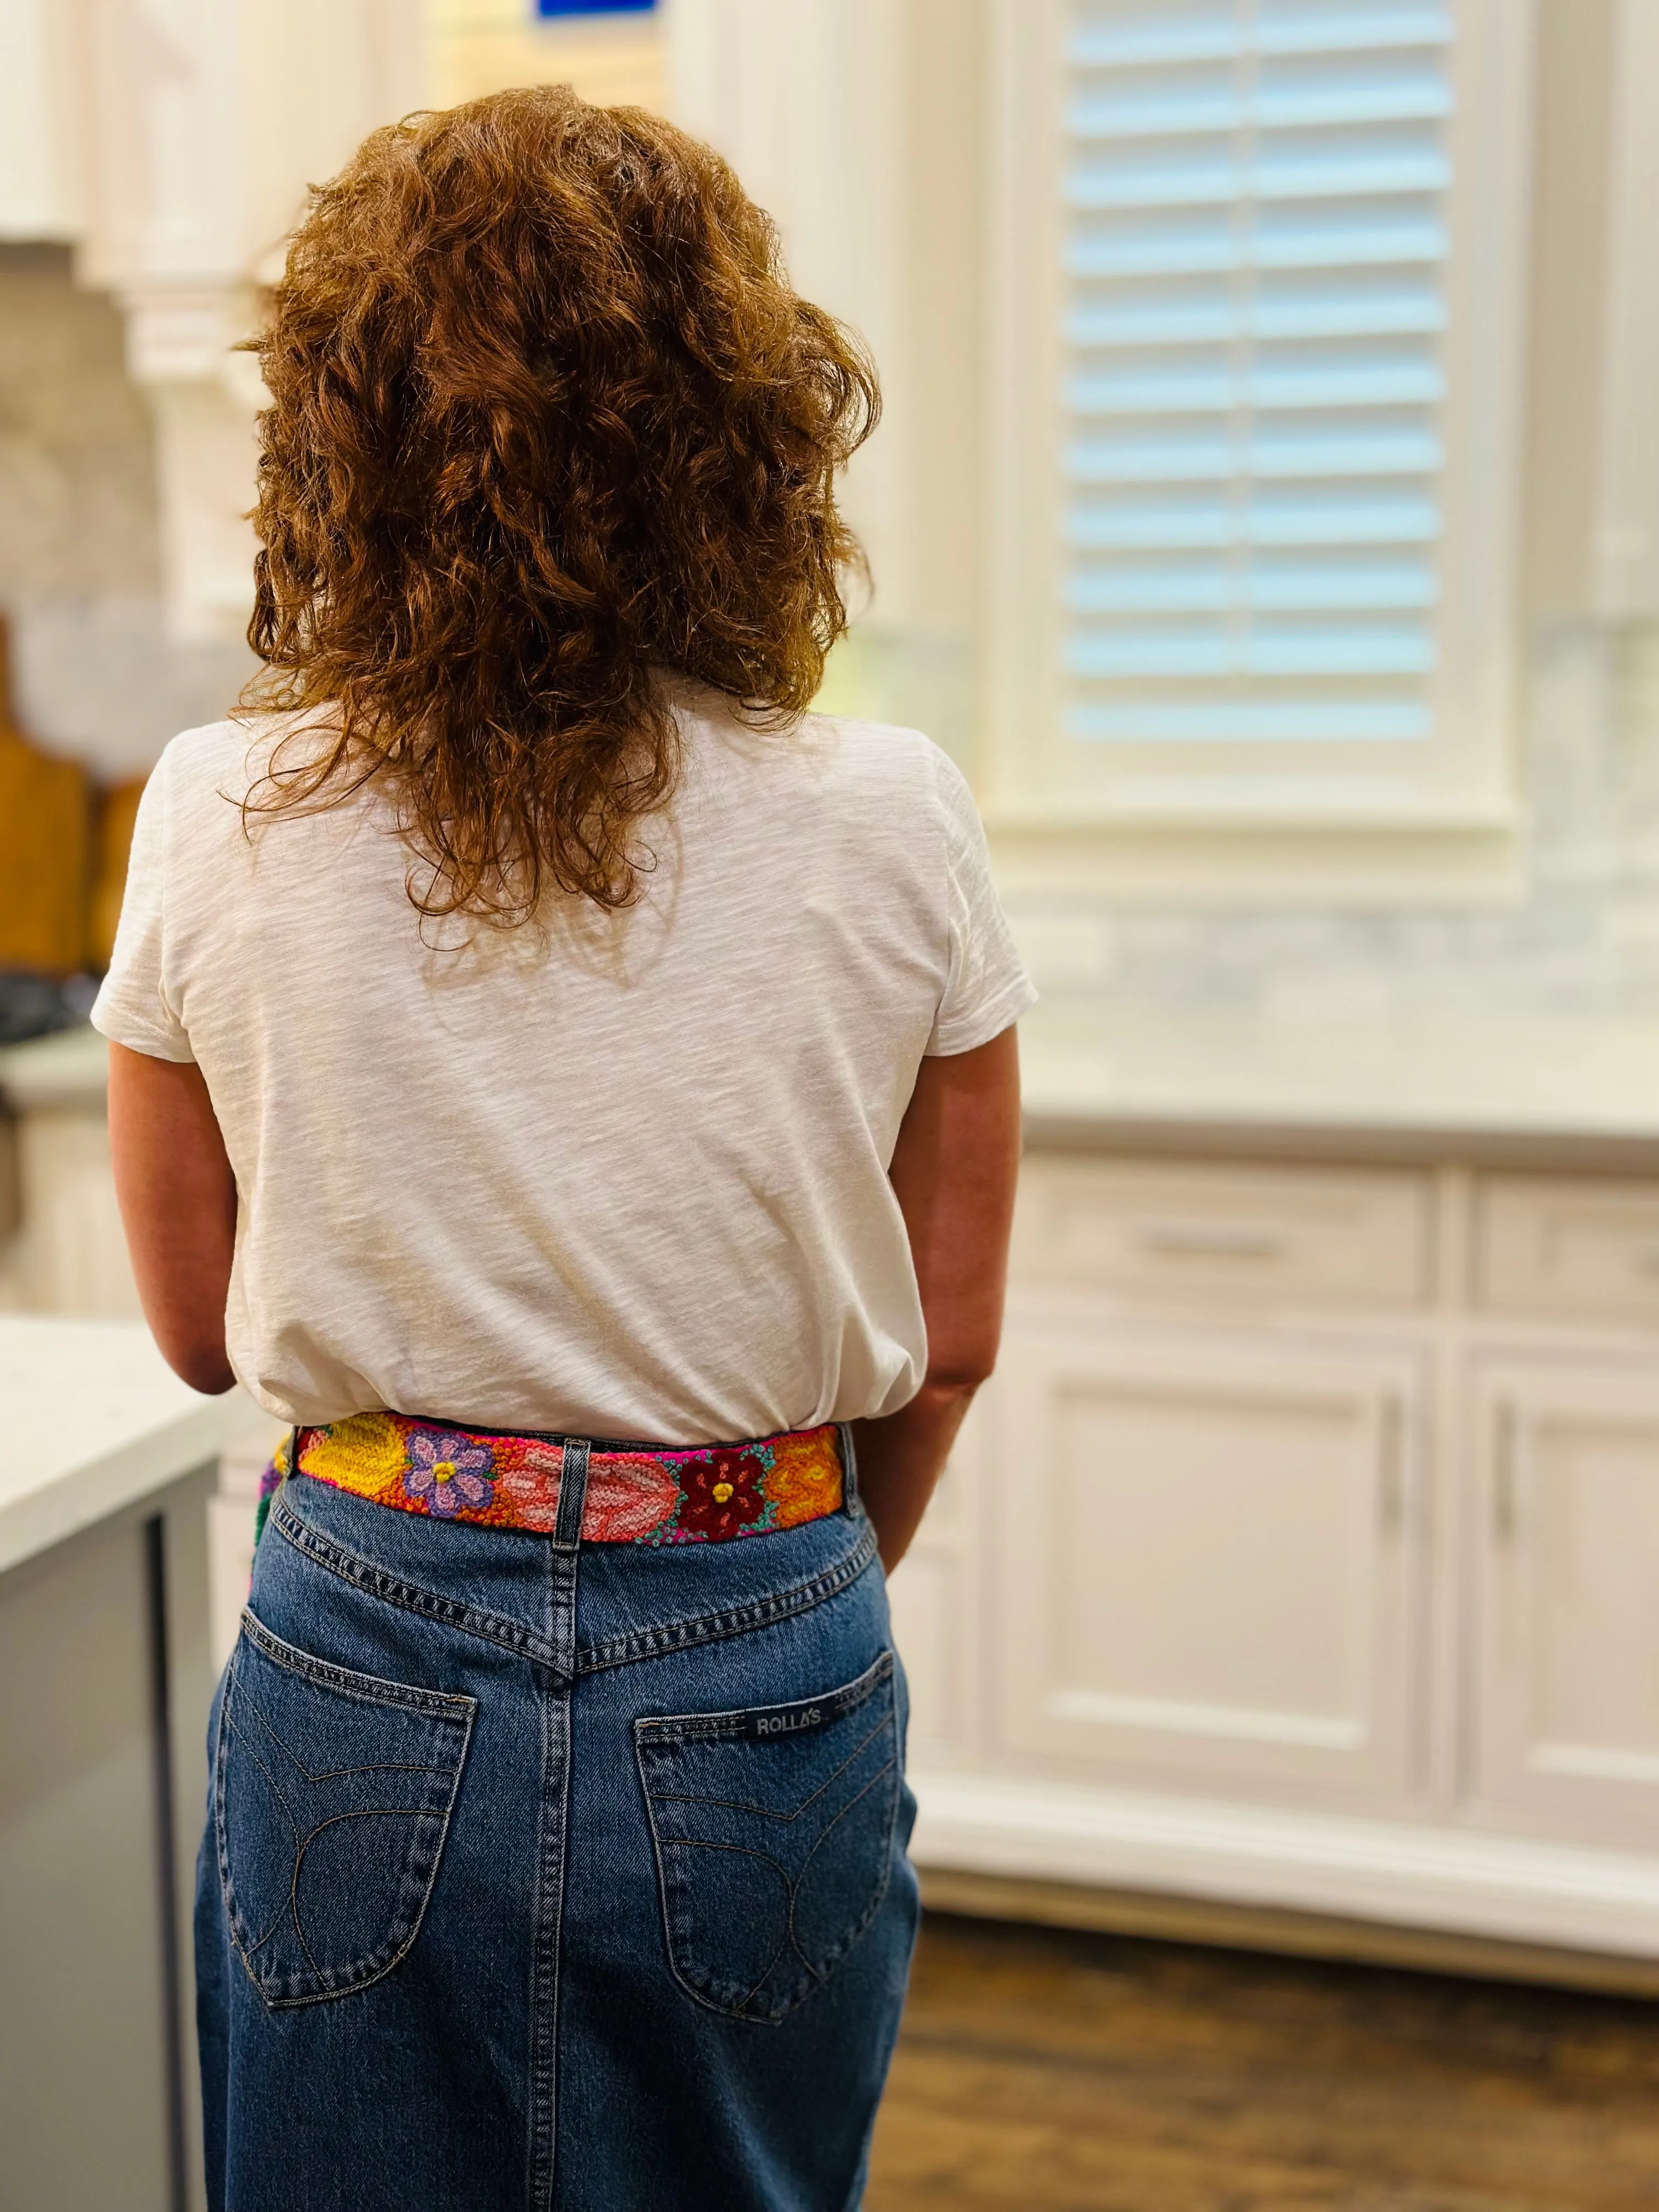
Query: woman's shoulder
(900, 775)
(846, 765)
(214, 760)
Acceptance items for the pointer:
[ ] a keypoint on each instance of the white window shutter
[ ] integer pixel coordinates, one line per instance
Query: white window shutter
(1255, 311)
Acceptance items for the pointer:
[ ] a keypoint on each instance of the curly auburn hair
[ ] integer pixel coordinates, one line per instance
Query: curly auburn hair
(547, 421)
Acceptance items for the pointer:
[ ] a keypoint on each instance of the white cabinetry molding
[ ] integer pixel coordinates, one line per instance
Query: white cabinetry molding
(1625, 549)
(40, 182)
(809, 101)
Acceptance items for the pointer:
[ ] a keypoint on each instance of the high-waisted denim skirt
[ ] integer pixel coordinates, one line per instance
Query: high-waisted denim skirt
(552, 1873)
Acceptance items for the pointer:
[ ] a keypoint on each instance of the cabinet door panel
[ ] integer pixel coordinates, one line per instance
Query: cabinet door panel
(1566, 1538)
(926, 1595)
(1210, 1554)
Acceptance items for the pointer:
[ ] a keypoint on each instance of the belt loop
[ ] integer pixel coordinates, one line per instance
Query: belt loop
(272, 1480)
(573, 1491)
(849, 1468)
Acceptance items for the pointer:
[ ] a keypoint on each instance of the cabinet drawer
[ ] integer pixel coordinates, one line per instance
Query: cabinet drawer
(1581, 1249)
(1230, 1233)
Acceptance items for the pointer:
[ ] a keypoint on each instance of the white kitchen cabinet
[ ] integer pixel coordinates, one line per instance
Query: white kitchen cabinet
(1209, 1553)
(1307, 1553)
(1565, 1560)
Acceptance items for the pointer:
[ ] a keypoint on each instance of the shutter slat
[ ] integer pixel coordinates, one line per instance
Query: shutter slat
(1261, 653)
(1215, 318)
(1220, 389)
(1286, 107)
(1239, 720)
(1402, 519)
(1200, 587)
(1171, 459)
(1308, 246)
(1336, 30)
(1267, 173)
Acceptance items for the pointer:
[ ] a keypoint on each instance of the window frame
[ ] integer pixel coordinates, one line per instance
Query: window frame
(1341, 819)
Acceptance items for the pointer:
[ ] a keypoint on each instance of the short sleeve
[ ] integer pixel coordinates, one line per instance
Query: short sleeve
(133, 1007)
(986, 986)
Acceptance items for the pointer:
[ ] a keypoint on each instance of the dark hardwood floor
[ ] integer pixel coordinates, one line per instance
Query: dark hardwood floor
(1041, 2068)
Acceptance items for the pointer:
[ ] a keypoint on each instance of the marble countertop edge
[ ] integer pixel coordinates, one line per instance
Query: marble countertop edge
(95, 1424)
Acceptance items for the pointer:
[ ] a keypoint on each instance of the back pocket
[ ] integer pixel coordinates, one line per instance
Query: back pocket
(332, 1799)
(773, 1831)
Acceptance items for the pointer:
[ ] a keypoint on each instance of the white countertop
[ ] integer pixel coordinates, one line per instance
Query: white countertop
(69, 1069)
(1521, 1085)
(1543, 1082)
(92, 1421)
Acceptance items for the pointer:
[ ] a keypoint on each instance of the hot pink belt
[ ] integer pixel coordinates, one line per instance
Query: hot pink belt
(635, 1493)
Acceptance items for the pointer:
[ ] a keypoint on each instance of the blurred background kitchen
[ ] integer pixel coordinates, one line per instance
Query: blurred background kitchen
(1265, 512)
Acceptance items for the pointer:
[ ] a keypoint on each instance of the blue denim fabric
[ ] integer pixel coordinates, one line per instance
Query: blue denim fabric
(567, 1877)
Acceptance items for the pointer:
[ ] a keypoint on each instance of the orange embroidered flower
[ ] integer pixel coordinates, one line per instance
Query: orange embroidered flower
(805, 1480)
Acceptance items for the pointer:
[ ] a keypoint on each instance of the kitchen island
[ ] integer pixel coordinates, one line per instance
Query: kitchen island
(106, 1464)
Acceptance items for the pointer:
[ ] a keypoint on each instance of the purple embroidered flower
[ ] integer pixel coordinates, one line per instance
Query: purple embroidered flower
(448, 1474)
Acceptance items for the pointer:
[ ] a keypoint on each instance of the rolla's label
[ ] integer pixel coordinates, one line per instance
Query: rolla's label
(773, 1723)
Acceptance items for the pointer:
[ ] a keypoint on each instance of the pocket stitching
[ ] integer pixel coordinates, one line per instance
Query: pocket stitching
(764, 1813)
(881, 1671)
(848, 1940)
(415, 1887)
(368, 1689)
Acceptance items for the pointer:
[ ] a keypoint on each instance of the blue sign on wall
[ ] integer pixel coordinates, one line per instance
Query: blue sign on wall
(594, 7)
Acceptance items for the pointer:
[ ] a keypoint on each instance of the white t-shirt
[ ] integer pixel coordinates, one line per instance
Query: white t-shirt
(622, 1176)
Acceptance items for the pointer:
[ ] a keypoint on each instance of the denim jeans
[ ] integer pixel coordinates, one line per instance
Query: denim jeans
(567, 1876)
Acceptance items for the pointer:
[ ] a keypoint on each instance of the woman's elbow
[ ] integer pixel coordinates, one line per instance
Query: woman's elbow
(201, 1362)
(961, 1368)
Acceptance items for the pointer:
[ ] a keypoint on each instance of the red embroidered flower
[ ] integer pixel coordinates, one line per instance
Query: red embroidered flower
(722, 1494)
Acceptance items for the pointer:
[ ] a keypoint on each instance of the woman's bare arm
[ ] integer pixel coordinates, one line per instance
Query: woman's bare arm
(953, 1170)
(178, 1198)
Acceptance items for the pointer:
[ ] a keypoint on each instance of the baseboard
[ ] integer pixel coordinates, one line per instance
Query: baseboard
(1273, 1928)
(1405, 1880)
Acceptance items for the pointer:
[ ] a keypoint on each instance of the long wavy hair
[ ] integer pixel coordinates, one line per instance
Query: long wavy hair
(548, 424)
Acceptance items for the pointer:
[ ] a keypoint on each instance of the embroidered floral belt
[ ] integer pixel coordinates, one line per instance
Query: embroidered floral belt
(636, 1494)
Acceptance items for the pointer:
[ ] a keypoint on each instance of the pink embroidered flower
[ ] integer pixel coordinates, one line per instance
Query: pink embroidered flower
(629, 1495)
(527, 1483)
(448, 1472)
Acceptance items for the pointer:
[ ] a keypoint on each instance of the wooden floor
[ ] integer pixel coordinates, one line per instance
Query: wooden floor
(1040, 2069)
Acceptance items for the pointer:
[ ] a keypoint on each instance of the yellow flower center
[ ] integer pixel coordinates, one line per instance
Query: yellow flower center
(722, 1492)
(443, 1470)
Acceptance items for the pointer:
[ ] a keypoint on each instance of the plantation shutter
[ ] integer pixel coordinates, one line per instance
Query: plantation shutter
(1255, 310)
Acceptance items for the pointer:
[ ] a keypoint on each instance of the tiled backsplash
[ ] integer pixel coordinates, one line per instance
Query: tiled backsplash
(1582, 938)
(79, 562)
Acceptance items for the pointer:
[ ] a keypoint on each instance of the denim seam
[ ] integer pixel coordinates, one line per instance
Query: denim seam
(411, 1597)
(735, 1620)
(553, 1831)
